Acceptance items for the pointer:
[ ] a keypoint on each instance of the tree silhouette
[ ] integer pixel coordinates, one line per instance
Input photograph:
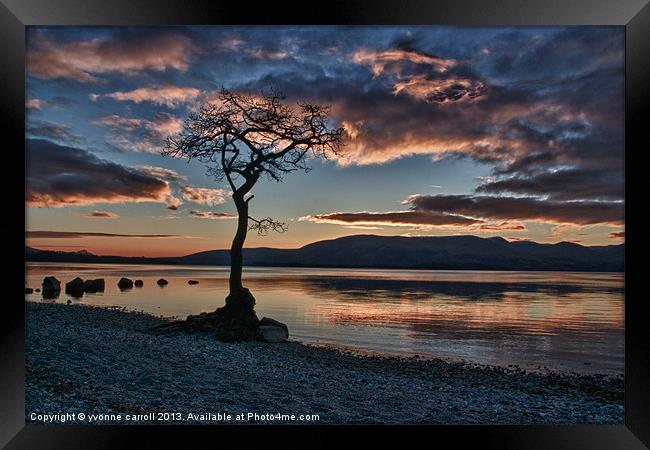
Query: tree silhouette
(240, 138)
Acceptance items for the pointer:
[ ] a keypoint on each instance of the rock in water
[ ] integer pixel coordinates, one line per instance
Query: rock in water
(75, 287)
(51, 287)
(125, 283)
(139, 283)
(270, 330)
(94, 285)
(193, 282)
(29, 290)
(162, 282)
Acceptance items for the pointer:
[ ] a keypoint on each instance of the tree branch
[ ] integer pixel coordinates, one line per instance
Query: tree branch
(263, 226)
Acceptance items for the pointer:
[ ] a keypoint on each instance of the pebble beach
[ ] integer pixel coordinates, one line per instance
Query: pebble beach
(104, 363)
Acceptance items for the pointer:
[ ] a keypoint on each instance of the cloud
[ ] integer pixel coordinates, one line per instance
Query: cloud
(212, 215)
(162, 173)
(542, 110)
(572, 183)
(440, 91)
(395, 60)
(266, 53)
(53, 131)
(616, 234)
(173, 202)
(419, 219)
(169, 95)
(164, 125)
(115, 121)
(102, 215)
(35, 103)
(127, 53)
(391, 218)
(139, 135)
(60, 176)
(520, 208)
(203, 196)
(503, 226)
(42, 234)
(422, 76)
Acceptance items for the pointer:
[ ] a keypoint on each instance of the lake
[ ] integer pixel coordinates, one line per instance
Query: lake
(561, 320)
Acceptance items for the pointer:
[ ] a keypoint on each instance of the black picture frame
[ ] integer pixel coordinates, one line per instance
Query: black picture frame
(15, 15)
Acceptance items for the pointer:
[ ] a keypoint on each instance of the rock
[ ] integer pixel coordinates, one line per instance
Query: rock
(139, 283)
(125, 283)
(270, 330)
(29, 290)
(75, 287)
(162, 282)
(51, 287)
(193, 282)
(94, 285)
(69, 301)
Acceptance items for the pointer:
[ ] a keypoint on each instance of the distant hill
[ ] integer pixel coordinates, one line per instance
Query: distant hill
(393, 252)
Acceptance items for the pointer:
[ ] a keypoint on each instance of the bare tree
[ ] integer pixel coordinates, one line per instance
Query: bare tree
(240, 138)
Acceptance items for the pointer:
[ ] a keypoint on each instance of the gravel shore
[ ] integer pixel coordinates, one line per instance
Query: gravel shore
(90, 360)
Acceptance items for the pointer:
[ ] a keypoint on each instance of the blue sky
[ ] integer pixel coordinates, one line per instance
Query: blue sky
(515, 132)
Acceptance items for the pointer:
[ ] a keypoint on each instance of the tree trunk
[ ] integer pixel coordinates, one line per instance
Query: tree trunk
(236, 258)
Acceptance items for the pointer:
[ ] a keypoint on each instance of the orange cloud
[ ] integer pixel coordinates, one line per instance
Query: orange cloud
(381, 61)
(169, 95)
(172, 202)
(502, 226)
(440, 90)
(212, 215)
(82, 60)
(391, 218)
(102, 215)
(204, 196)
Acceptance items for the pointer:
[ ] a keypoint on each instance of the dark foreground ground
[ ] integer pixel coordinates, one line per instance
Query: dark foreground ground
(90, 360)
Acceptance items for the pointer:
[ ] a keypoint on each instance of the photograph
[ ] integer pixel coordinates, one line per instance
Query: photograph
(325, 225)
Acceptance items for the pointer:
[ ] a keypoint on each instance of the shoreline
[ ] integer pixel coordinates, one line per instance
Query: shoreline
(97, 360)
(321, 267)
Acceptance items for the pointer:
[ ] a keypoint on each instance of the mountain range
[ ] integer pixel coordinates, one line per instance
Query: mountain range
(392, 252)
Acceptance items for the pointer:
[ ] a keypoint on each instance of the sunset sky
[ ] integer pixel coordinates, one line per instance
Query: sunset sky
(512, 132)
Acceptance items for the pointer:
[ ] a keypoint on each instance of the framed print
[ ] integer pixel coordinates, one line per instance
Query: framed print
(382, 218)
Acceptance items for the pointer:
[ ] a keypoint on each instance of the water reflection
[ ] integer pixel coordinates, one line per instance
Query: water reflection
(382, 289)
(560, 320)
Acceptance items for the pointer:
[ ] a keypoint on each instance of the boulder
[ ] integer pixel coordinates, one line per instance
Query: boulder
(270, 330)
(193, 282)
(139, 283)
(125, 283)
(29, 290)
(75, 287)
(93, 286)
(51, 287)
(162, 282)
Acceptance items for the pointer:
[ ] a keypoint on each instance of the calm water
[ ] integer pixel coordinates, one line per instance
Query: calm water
(568, 321)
